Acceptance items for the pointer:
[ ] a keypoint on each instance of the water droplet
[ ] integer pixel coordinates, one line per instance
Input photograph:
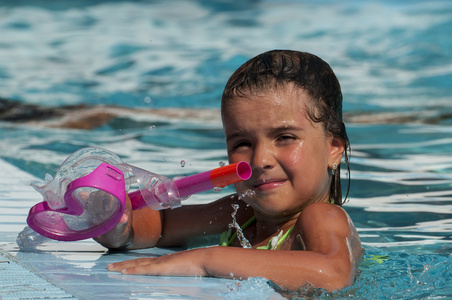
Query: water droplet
(210, 222)
(222, 164)
(217, 189)
(240, 236)
(182, 163)
(248, 193)
(147, 99)
(152, 127)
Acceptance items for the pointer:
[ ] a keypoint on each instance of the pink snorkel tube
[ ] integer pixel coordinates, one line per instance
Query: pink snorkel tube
(169, 194)
(87, 198)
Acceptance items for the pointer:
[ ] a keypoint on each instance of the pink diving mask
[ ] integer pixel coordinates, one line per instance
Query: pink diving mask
(87, 197)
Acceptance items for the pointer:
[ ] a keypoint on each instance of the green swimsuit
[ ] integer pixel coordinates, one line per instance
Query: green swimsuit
(226, 239)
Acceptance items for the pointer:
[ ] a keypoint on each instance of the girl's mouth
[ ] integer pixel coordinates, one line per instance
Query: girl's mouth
(268, 184)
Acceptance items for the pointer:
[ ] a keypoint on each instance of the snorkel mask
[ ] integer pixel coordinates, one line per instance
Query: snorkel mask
(87, 197)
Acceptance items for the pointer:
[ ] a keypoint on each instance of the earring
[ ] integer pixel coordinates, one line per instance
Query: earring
(333, 169)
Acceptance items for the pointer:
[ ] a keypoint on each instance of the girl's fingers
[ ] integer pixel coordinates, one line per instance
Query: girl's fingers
(118, 267)
(124, 219)
(177, 264)
(120, 234)
(144, 268)
(147, 269)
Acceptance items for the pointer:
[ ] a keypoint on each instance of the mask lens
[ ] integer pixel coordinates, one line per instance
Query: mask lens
(100, 209)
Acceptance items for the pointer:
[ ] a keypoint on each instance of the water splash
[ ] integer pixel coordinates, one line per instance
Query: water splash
(248, 193)
(182, 163)
(243, 241)
(251, 288)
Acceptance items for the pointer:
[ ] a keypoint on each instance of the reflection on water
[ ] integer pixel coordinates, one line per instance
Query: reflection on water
(401, 194)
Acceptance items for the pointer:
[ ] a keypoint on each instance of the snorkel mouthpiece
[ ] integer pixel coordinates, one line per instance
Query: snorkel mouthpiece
(87, 197)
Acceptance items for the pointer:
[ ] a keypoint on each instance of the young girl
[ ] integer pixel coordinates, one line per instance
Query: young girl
(282, 113)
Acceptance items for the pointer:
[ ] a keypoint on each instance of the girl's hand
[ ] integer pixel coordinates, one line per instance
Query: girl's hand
(121, 235)
(185, 263)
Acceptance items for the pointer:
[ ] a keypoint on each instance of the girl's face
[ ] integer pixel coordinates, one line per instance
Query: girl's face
(291, 156)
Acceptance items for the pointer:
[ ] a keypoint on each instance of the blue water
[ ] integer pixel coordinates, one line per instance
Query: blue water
(393, 59)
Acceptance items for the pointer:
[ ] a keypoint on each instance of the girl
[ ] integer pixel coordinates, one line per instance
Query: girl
(282, 113)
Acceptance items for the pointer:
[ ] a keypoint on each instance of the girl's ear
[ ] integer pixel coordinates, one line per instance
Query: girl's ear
(337, 147)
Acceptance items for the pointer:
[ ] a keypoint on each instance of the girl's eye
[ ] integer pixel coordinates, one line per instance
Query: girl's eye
(286, 138)
(242, 144)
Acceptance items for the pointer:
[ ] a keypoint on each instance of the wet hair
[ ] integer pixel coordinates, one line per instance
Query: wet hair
(276, 69)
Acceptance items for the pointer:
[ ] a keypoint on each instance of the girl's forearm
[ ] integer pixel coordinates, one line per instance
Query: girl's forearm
(288, 269)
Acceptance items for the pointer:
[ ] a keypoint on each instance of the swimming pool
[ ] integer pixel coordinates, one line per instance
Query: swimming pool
(393, 59)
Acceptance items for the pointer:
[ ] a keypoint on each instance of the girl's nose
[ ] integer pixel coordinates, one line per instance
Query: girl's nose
(263, 158)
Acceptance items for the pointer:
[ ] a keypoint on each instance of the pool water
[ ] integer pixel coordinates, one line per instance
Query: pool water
(394, 62)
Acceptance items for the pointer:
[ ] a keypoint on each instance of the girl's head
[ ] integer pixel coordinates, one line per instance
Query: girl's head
(276, 69)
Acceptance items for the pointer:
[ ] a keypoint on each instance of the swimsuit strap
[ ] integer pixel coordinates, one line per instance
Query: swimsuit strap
(275, 241)
(226, 239)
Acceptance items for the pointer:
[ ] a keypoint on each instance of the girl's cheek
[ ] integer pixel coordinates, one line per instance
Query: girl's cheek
(234, 157)
(295, 157)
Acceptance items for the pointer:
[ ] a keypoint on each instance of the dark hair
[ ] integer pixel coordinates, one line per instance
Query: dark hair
(310, 73)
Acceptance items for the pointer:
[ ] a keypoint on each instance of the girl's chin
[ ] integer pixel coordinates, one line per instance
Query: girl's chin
(273, 211)
(266, 204)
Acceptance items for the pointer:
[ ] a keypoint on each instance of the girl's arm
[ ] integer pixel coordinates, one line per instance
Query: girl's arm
(146, 227)
(332, 251)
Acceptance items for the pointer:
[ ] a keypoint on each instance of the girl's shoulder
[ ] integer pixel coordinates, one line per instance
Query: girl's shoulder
(323, 207)
(325, 217)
